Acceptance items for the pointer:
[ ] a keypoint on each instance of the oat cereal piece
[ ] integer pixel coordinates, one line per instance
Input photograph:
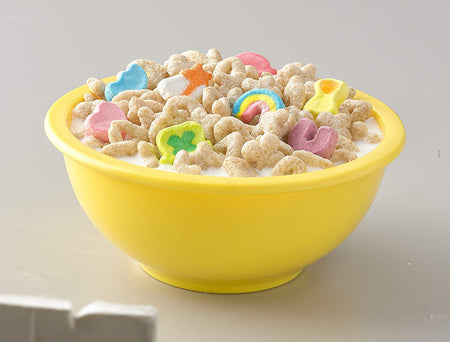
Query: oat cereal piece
(238, 167)
(155, 71)
(152, 95)
(146, 116)
(359, 130)
(279, 122)
(229, 124)
(136, 132)
(177, 63)
(265, 151)
(137, 103)
(123, 105)
(206, 157)
(251, 72)
(93, 142)
(79, 134)
(231, 145)
(229, 73)
(150, 154)
(182, 164)
(222, 107)
(347, 144)
(289, 165)
(210, 94)
(195, 56)
(234, 94)
(166, 119)
(97, 87)
(128, 95)
(373, 138)
(309, 90)
(294, 92)
(342, 155)
(359, 110)
(265, 82)
(312, 160)
(178, 103)
(208, 122)
(214, 57)
(338, 122)
(351, 92)
(121, 149)
(89, 97)
(306, 72)
(84, 109)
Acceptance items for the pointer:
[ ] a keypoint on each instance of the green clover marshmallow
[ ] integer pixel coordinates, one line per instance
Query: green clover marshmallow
(185, 136)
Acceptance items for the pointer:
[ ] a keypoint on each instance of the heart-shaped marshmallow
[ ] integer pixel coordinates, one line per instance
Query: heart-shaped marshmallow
(306, 136)
(97, 124)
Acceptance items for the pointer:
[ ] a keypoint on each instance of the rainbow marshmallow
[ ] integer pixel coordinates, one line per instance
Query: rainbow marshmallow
(254, 102)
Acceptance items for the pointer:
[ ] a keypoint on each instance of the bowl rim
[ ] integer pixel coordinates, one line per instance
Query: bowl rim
(58, 120)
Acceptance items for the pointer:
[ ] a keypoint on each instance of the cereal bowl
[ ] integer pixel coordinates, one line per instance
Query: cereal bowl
(220, 234)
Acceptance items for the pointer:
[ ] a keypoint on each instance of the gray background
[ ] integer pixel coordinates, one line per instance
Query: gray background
(389, 281)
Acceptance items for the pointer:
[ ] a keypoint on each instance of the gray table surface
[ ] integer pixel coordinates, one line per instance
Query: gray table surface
(389, 281)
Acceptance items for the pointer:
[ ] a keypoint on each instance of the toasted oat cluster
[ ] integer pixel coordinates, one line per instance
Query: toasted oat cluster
(239, 118)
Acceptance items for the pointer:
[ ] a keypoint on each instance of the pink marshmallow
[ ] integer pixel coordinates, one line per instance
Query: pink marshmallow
(306, 136)
(253, 109)
(97, 124)
(259, 62)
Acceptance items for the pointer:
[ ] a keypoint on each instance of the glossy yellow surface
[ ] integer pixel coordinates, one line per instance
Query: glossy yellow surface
(218, 234)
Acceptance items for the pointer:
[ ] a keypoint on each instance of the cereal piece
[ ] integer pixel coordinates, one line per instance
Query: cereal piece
(93, 142)
(231, 145)
(127, 95)
(299, 114)
(134, 77)
(182, 164)
(351, 93)
(195, 56)
(347, 144)
(307, 72)
(214, 57)
(83, 109)
(150, 154)
(259, 62)
(280, 123)
(152, 95)
(265, 151)
(289, 165)
(178, 103)
(189, 82)
(222, 107)
(185, 136)
(89, 97)
(309, 90)
(229, 124)
(339, 123)
(78, 133)
(137, 103)
(251, 72)
(373, 138)
(146, 116)
(210, 94)
(313, 160)
(359, 130)
(305, 136)
(359, 110)
(329, 95)
(238, 167)
(117, 127)
(265, 82)
(121, 149)
(177, 63)
(294, 92)
(234, 94)
(208, 121)
(229, 73)
(155, 71)
(123, 105)
(97, 87)
(206, 157)
(97, 124)
(255, 102)
(343, 155)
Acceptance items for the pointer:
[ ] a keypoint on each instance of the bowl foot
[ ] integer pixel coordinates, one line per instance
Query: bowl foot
(208, 286)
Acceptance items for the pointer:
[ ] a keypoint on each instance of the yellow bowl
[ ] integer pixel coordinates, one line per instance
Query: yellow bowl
(219, 234)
